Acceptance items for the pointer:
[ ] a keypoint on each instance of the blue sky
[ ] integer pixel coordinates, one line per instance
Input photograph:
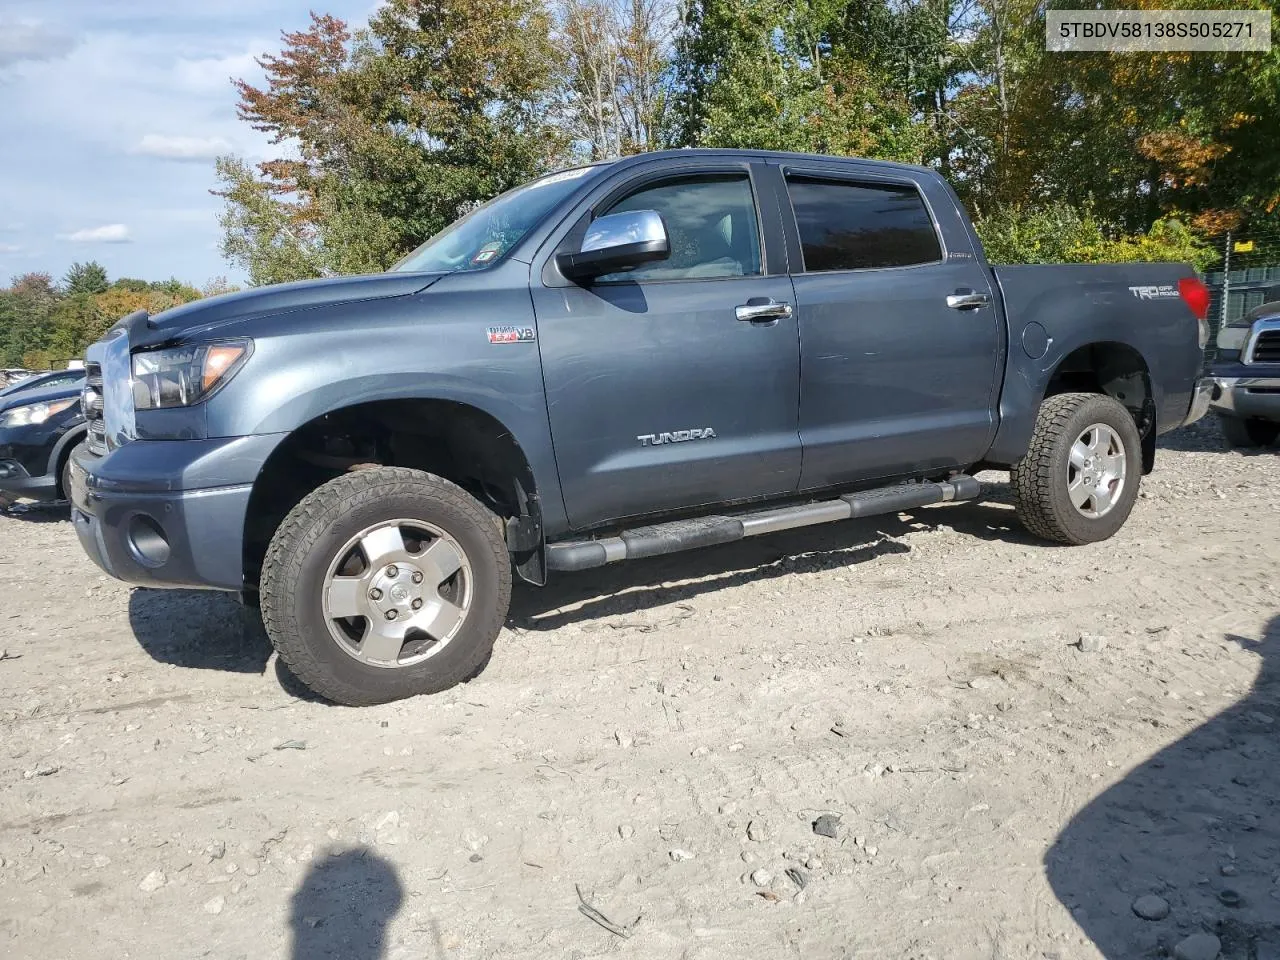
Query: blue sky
(111, 112)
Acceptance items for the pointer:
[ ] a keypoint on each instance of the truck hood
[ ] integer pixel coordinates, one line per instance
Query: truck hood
(216, 316)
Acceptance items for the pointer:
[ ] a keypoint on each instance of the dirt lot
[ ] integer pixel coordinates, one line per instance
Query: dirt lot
(663, 736)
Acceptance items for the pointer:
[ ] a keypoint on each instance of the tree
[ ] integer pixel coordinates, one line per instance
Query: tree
(1059, 233)
(616, 73)
(85, 278)
(75, 323)
(1142, 136)
(42, 326)
(766, 74)
(437, 105)
(24, 316)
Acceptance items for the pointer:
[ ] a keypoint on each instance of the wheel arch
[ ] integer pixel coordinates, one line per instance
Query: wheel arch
(1111, 367)
(61, 453)
(451, 438)
(1115, 369)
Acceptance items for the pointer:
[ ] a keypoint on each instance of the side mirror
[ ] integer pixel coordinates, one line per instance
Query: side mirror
(619, 241)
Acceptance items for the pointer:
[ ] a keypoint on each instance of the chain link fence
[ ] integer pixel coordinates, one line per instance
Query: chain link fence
(1246, 276)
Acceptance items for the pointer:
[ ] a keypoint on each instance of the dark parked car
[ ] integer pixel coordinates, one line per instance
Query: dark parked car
(39, 426)
(615, 361)
(56, 378)
(1246, 395)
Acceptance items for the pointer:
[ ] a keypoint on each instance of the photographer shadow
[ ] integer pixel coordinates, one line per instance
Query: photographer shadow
(1194, 832)
(344, 906)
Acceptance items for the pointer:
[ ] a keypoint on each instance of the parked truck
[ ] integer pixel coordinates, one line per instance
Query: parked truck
(1246, 376)
(612, 362)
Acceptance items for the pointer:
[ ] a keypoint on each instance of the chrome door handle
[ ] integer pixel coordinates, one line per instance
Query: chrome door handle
(760, 310)
(968, 300)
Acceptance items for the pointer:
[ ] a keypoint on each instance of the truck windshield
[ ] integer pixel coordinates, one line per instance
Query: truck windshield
(484, 235)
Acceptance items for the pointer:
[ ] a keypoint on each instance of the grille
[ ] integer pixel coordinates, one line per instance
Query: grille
(91, 403)
(1266, 349)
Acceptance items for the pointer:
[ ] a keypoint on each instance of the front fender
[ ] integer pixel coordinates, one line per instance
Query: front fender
(431, 346)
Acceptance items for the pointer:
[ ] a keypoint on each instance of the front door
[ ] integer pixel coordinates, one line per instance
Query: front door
(660, 397)
(900, 346)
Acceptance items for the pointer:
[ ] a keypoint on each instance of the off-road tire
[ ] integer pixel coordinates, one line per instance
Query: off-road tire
(1249, 434)
(1040, 478)
(294, 570)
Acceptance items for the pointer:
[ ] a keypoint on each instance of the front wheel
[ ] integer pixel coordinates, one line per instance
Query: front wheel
(1248, 434)
(1079, 479)
(384, 584)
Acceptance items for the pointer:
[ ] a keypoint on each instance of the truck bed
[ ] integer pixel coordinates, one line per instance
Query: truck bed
(1053, 310)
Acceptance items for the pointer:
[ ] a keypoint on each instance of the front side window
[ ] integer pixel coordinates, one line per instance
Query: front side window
(854, 226)
(711, 223)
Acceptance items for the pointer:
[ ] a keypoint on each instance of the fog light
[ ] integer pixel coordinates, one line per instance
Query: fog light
(147, 541)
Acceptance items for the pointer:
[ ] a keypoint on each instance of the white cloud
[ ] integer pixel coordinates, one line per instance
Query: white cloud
(10, 248)
(31, 40)
(215, 74)
(111, 233)
(137, 68)
(182, 148)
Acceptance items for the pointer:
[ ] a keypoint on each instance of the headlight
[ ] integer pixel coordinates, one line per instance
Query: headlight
(1232, 338)
(33, 414)
(181, 376)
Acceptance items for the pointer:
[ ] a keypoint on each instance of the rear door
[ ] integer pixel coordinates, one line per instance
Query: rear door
(899, 337)
(659, 396)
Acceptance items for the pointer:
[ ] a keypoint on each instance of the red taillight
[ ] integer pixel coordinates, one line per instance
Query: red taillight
(1196, 294)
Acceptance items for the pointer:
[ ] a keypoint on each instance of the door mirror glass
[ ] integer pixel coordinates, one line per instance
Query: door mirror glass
(616, 242)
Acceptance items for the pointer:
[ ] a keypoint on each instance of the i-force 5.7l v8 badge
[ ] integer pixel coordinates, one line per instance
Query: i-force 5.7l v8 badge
(512, 335)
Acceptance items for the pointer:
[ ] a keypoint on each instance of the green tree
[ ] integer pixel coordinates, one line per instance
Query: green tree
(24, 316)
(1139, 137)
(75, 322)
(85, 278)
(1059, 233)
(438, 104)
(766, 74)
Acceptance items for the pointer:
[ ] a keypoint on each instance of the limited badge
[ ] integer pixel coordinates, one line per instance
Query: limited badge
(512, 334)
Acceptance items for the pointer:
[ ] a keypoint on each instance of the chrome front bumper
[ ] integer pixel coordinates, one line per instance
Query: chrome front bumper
(1245, 396)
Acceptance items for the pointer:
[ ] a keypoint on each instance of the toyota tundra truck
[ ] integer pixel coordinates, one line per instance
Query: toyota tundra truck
(612, 362)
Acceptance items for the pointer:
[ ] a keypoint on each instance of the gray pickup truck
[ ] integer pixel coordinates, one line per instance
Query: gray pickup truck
(1246, 376)
(614, 361)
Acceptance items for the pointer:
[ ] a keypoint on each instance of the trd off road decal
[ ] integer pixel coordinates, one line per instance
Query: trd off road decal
(1163, 291)
(512, 334)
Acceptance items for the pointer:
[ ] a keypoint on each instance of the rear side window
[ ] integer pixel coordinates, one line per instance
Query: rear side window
(856, 226)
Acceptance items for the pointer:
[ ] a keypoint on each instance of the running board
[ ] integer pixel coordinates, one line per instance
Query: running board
(707, 531)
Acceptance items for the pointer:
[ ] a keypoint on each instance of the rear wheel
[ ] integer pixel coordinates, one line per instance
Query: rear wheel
(384, 584)
(1079, 479)
(1249, 433)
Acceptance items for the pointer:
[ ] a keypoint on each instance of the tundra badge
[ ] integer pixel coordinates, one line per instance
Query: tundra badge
(676, 436)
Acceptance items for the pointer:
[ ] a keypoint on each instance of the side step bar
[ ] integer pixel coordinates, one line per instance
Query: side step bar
(706, 531)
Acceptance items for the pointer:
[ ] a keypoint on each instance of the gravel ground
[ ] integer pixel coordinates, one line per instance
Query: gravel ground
(927, 736)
